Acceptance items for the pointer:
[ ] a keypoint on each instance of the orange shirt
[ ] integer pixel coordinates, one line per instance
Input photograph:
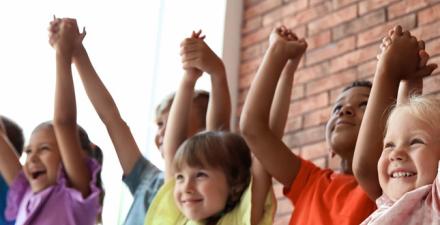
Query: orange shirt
(321, 196)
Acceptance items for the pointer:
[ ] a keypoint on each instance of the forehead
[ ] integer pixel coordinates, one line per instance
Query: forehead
(42, 134)
(354, 94)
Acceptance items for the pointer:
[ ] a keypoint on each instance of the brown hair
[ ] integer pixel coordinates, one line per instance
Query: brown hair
(92, 151)
(223, 150)
(14, 133)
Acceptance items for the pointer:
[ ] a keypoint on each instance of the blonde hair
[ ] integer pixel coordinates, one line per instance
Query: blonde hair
(425, 108)
(223, 150)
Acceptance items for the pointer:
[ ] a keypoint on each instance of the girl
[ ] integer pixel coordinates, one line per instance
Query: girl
(409, 165)
(208, 179)
(57, 185)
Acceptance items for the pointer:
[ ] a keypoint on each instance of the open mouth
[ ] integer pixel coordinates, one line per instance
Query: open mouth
(37, 174)
(402, 174)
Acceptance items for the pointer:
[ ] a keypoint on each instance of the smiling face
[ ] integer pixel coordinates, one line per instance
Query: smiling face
(200, 193)
(343, 126)
(410, 155)
(43, 159)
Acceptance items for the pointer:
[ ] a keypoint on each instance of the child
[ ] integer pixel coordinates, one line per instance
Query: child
(140, 175)
(15, 135)
(406, 164)
(320, 196)
(210, 174)
(57, 185)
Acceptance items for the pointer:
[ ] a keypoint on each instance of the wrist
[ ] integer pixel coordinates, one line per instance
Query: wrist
(279, 49)
(78, 53)
(64, 57)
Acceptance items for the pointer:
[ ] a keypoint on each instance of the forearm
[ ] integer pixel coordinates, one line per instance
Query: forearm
(9, 164)
(177, 124)
(65, 105)
(370, 140)
(219, 108)
(279, 111)
(256, 110)
(408, 88)
(126, 148)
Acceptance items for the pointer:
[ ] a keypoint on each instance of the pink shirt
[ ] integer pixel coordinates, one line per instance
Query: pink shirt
(420, 206)
(55, 205)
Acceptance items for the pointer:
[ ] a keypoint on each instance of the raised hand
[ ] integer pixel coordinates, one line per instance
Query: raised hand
(197, 55)
(292, 47)
(64, 35)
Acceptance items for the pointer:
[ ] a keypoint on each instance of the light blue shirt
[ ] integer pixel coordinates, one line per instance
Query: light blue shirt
(144, 181)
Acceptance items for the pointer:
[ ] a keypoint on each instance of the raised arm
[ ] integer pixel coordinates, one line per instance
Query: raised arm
(274, 155)
(64, 121)
(9, 164)
(398, 60)
(125, 145)
(197, 54)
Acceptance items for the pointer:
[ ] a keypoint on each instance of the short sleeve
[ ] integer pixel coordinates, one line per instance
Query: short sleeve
(15, 195)
(143, 171)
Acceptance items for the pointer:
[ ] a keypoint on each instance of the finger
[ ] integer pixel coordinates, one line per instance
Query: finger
(198, 33)
(187, 57)
(202, 37)
(391, 32)
(421, 44)
(424, 57)
(83, 33)
(407, 33)
(425, 71)
(398, 30)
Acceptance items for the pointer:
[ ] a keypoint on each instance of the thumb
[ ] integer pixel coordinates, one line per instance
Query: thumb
(425, 71)
(83, 33)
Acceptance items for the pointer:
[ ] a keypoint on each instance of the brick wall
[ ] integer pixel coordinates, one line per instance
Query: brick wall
(343, 38)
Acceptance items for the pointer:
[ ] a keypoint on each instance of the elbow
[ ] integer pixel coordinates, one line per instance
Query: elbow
(249, 128)
(59, 121)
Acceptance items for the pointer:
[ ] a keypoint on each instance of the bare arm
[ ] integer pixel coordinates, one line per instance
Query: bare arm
(273, 154)
(177, 125)
(9, 164)
(64, 121)
(396, 61)
(126, 148)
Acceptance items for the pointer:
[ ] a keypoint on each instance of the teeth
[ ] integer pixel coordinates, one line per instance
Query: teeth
(402, 174)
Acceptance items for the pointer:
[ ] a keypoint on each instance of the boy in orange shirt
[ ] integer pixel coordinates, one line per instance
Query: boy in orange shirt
(320, 196)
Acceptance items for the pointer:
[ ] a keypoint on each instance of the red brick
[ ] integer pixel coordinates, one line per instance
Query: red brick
(311, 73)
(337, 4)
(366, 69)
(314, 2)
(245, 81)
(404, 7)
(321, 162)
(331, 50)
(260, 8)
(255, 37)
(293, 124)
(370, 5)
(297, 92)
(250, 66)
(307, 15)
(299, 31)
(305, 137)
(248, 3)
(334, 163)
(353, 58)
(273, 16)
(293, 7)
(433, 47)
(428, 15)
(318, 40)
(308, 104)
(251, 25)
(378, 32)
(314, 151)
(332, 19)
(359, 24)
(431, 84)
(251, 52)
(428, 31)
(330, 82)
(318, 117)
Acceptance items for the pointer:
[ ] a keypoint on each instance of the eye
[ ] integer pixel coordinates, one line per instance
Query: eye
(44, 147)
(179, 177)
(27, 151)
(201, 175)
(337, 108)
(388, 146)
(416, 141)
(363, 104)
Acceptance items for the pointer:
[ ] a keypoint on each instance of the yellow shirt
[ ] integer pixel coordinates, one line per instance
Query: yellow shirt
(163, 210)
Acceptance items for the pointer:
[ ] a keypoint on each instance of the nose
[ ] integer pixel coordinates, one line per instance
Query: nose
(398, 154)
(346, 110)
(189, 186)
(32, 157)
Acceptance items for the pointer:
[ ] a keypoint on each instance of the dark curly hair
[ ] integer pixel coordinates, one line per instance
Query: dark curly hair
(14, 133)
